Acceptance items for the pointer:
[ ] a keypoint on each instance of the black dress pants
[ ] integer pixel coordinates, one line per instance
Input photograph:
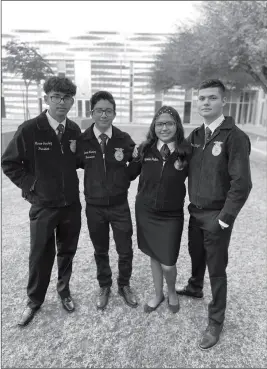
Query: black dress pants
(48, 225)
(98, 220)
(208, 245)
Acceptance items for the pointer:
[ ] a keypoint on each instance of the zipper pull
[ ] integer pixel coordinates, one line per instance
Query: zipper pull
(61, 146)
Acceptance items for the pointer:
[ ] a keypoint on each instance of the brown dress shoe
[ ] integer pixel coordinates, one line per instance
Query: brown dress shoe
(27, 316)
(102, 298)
(186, 291)
(68, 304)
(211, 336)
(127, 294)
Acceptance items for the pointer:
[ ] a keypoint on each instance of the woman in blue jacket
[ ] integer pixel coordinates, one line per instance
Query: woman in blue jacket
(162, 163)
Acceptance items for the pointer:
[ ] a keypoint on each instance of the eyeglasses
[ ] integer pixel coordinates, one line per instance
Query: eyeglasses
(167, 124)
(99, 112)
(58, 99)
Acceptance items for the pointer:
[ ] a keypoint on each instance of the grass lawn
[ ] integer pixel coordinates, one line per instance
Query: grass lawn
(123, 337)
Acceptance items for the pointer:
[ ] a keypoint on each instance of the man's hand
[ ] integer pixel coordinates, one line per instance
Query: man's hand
(223, 225)
(135, 151)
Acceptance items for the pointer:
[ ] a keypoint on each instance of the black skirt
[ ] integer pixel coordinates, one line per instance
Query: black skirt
(159, 232)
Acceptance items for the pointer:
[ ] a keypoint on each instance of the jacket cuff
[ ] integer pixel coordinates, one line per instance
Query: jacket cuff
(226, 218)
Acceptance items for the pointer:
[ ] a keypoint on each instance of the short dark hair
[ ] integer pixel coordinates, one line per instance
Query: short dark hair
(60, 84)
(102, 95)
(212, 83)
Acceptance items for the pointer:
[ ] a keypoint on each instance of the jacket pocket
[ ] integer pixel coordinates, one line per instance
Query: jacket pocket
(46, 190)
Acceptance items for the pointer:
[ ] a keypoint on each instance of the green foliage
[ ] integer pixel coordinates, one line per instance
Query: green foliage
(229, 41)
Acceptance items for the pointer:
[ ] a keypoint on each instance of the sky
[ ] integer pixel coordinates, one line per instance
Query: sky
(71, 18)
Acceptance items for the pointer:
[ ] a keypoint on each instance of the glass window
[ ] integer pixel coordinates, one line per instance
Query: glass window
(87, 108)
(80, 108)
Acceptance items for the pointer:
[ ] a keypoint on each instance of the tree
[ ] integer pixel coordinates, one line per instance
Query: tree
(24, 60)
(228, 41)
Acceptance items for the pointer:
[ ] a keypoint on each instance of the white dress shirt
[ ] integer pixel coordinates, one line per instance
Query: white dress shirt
(215, 124)
(54, 123)
(212, 126)
(97, 133)
(170, 145)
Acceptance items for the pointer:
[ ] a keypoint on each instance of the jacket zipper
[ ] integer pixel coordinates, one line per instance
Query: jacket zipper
(163, 165)
(63, 181)
(104, 164)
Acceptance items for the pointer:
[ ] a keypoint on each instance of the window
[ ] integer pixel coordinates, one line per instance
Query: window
(187, 111)
(80, 108)
(87, 108)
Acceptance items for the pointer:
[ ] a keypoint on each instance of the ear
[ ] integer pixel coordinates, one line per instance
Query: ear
(46, 99)
(224, 100)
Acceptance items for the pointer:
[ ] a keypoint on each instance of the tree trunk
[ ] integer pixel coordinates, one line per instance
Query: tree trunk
(26, 100)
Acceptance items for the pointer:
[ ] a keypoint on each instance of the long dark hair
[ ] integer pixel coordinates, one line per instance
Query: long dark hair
(182, 147)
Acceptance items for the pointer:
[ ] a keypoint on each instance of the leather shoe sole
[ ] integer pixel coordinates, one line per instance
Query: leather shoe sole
(149, 309)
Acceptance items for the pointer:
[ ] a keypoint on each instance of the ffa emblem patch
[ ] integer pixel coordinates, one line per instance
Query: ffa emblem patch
(217, 148)
(178, 165)
(119, 154)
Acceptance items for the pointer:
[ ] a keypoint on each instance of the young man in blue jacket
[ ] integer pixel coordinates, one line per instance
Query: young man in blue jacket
(41, 161)
(103, 151)
(219, 183)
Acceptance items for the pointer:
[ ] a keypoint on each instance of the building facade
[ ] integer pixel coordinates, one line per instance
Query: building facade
(121, 64)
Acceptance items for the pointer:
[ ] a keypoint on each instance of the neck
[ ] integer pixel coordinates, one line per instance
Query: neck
(59, 119)
(209, 120)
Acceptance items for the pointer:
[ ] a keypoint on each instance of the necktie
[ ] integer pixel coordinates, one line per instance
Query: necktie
(208, 134)
(60, 129)
(103, 143)
(165, 152)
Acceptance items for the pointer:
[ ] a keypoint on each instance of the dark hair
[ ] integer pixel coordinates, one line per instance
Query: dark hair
(60, 84)
(102, 95)
(212, 83)
(182, 147)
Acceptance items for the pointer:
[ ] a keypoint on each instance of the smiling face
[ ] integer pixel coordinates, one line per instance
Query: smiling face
(103, 115)
(165, 128)
(210, 103)
(58, 109)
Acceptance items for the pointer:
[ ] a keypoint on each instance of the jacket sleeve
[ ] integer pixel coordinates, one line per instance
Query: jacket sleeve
(14, 161)
(131, 146)
(238, 148)
(79, 156)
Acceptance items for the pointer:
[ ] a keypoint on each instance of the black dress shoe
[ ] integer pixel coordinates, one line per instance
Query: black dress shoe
(211, 336)
(187, 292)
(102, 298)
(27, 316)
(68, 304)
(128, 296)
(149, 309)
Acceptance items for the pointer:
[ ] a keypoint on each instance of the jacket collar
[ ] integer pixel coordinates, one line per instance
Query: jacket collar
(228, 123)
(89, 133)
(42, 122)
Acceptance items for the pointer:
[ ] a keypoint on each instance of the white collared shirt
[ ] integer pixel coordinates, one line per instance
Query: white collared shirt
(171, 145)
(215, 124)
(54, 123)
(97, 133)
(212, 126)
